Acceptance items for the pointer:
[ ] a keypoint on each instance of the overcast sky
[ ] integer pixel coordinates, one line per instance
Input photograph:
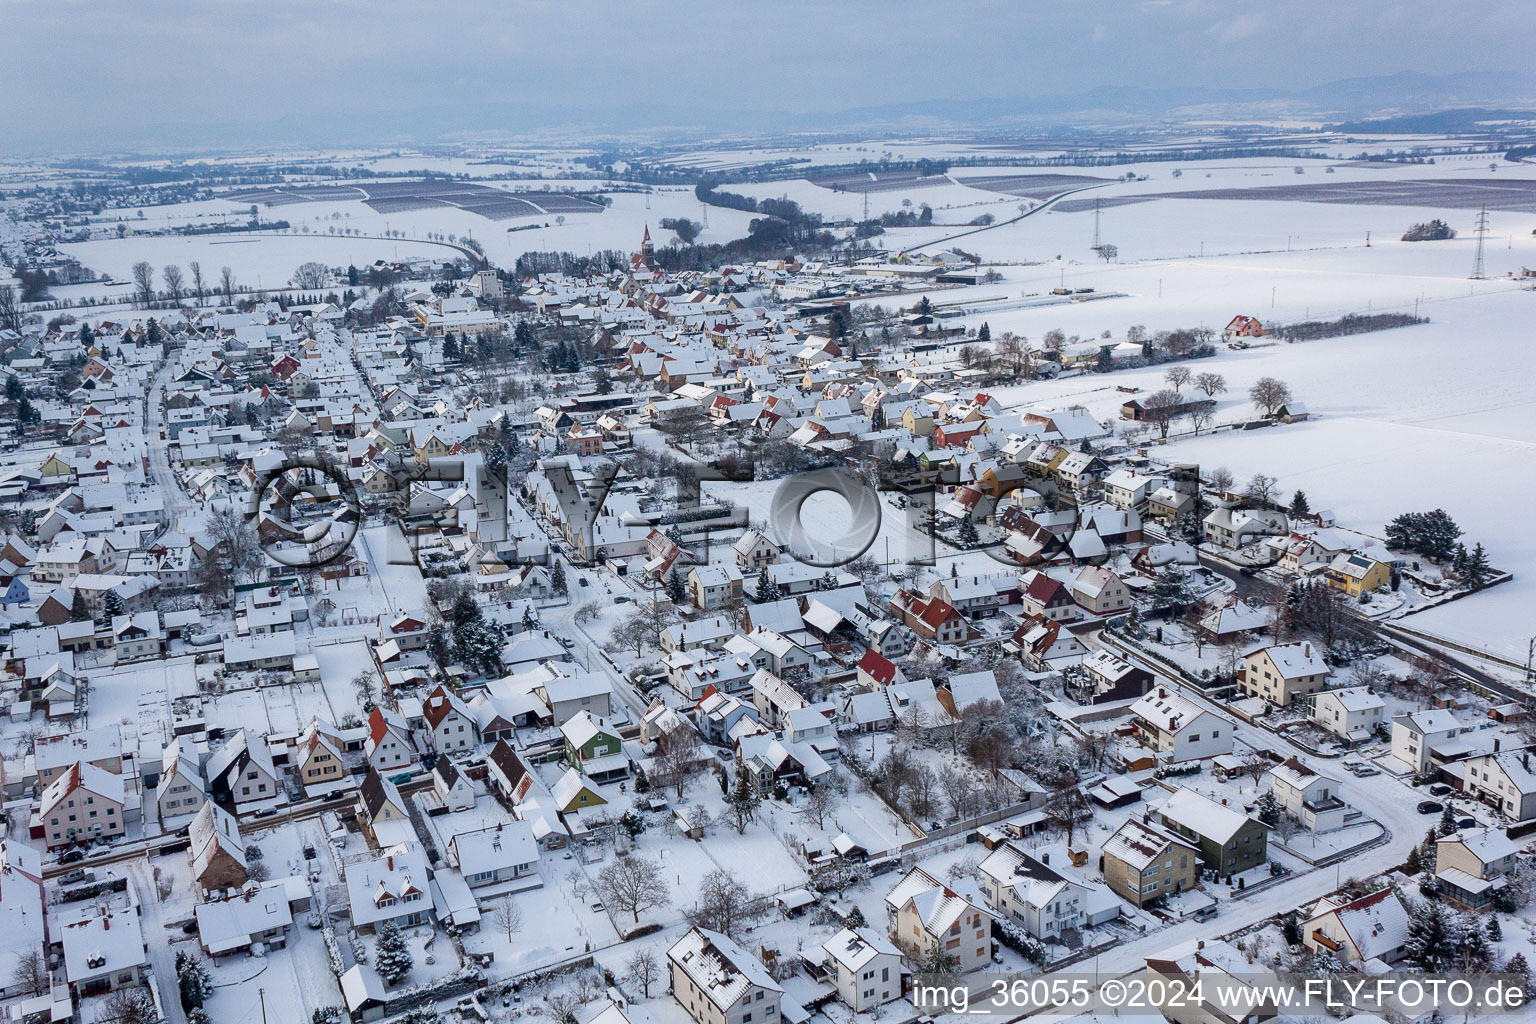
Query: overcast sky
(117, 66)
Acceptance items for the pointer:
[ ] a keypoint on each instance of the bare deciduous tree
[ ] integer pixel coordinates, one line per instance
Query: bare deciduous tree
(1212, 384)
(643, 969)
(174, 283)
(1161, 409)
(724, 905)
(1269, 394)
(144, 282)
(30, 974)
(508, 918)
(1177, 377)
(198, 287)
(819, 803)
(633, 884)
(227, 285)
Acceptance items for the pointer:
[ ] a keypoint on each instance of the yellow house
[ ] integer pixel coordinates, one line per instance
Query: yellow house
(916, 422)
(433, 447)
(55, 467)
(574, 791)
(1357, 574)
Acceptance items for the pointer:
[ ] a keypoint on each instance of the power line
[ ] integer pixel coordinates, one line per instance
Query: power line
(1095, 222)
(1482, 235)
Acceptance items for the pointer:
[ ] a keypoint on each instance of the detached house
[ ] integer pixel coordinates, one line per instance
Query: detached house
(718, 982)
(1307, 795)
(1142, 863)
(1176, 726)
(1284, 672)
(1373, 927)
(1026, 890)
(1230, 842)
(1504, 781)
(388, 746)
(923, 914)
(1353, 713)
(450, 721)
(1471, 865)
(864, 967)
(83, 803)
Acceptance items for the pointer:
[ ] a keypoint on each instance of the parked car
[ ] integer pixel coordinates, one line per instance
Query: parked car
(190, 928)
(1467, 823)
(71, 877)
(1430, 807)
(1440, 789)
(313, 920)
(71, 856)
(309, 852)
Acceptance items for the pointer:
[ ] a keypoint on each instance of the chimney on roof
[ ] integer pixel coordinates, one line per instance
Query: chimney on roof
(389, 862)
(106, 922)
(1045, 858)
(1199, 943)
(1308, 649)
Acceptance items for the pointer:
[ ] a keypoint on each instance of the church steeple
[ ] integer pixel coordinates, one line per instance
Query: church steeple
(647, 250)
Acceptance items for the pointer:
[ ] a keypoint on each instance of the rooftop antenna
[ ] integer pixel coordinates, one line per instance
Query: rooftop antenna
(1482, 234)
(1096, 222)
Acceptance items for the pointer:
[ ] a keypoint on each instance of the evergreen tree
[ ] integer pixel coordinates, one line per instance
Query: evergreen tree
(1476, 572)
(985, 333)
(1447, 821)
(1414, 862)
(676, 589)
(523, 336)
(450, 348)
(391, 957)
(557, 577)
(528, 620)
(78, 610)
(742, 803)
(1268, 809)
(1171, 589)
(1430, 939)
(602, 383)
(1299, 506)
(112, 605)
(1522, 971)
(766, 590)
(967, 533)
(152, 333)
(87, 336)
(1495, 930)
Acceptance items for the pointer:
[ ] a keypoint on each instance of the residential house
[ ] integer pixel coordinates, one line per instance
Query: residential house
(1109, 678)
(1026, 890)
(1142, 863)
(388, 746)
(320, 765)
(1357, 574)
(1415, 735)
(1173, 725)
(923, 914)
(1307, 795)
(504, 852)
(1360, 930)
(1503, 781)
(717, 982)
(103, 947)
(452, 725)
(81, 804)
(392, 887)
(864, 967)
(1353, 713)
(217, 850)
(1283, 672)
(1230, 842)
(1472, 865)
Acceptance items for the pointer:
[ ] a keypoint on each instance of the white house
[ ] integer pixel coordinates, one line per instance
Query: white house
(718, 982)
(1307, 795)
(1415, 734)
(1174, 725)
(864, 967)
(1504, 781)
(451, 722)
(1352, 713)
(1027, 891)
